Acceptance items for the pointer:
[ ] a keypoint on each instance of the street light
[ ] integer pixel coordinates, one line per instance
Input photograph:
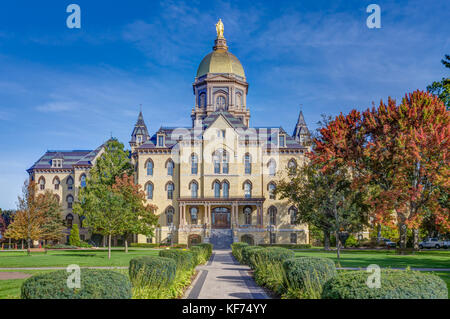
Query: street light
(270, 229)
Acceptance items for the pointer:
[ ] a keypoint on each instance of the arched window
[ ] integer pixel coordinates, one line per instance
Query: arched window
(170, 188)
(272, 215)
(293, 215)
(83, 180)
(238, 100)
(292, 165)
(272, 167)
(248, 164)
(224, 162)
(149, 168)
(149, 189)
(194, 215)
(216, 160)
(221, 102)
(194, 164)
(220, 158)
(271, 188)
(216, 187)
(56, 182)
(41, 183)
(194, 189)
(170, 211)
(170, 167)
(69, 220)
(69, 182)
(202, 100)
(247, 215)
(225, 189)
(247, 189)
(69, 200)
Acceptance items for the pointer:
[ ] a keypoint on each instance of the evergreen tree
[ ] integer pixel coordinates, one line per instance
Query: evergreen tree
(74, 239)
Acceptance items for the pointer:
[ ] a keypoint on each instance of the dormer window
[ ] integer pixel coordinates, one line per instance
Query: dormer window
(161, 140)
(139, 139)
(57, 163)
(282, 139)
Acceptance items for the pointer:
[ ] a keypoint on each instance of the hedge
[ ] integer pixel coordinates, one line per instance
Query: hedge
(395, 284)
(247, 253)
(236, 249)
(152, 270)
(95, 284)
(183, 258)
(269, 255)
(208, 247)
(289, 246)
(144, 245)
(309, 272)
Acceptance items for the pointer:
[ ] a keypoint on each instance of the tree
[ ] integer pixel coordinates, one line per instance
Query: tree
(74, 239)
(29, 219)
(442, 89)
(98, 202)
(325, 200)
(139, 218)
(53, 225)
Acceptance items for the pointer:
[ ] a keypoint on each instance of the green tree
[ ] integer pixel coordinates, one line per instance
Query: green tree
(442, 88)
(74, 239)
(53, 225)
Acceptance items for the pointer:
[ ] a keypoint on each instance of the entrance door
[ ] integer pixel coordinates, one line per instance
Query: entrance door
(221, 217)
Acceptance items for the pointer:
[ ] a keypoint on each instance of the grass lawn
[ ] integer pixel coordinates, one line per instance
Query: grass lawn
(10, 289)
(64, 258)
(386, 258)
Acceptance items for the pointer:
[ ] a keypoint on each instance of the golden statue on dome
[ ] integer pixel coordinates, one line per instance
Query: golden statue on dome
(219, 29)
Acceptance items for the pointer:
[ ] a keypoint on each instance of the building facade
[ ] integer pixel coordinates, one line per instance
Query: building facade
(212, 181)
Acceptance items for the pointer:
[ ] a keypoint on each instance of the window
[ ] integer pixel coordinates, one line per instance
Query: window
(248, 164)
(216, 160)
(221, 102)
(202, 100)
(220, 158)
(273, 238)
(170, 188)
(149, 191)
(69, 201)
(69, 182)
(161, 140)
(170, 166)
(271, 188)
(83, 181)
(194, 215)
(149, 168)
(69, 220)
(282, 140)
(272, 167)
(293, 215)
(216, 189)
(225, 163)
(149, 240)
(293, 238)
(56, 182)
(169, 215)
(194, 164)
(82, 218)
(42, 183)
(225, 189)
(247, 190)
(247, 215)
(292, 165)
(272, 215)
(194, 189)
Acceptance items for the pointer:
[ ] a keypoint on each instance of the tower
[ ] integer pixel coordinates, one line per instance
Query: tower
(301, 133)
(220, 84)
(140, 133)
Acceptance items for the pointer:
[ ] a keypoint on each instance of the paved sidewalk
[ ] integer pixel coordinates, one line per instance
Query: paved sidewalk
(224, 278)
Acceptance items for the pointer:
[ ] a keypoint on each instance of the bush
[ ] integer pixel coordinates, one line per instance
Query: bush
(289, 246)
(60, 246)
(201, 254)
(236, 249)
(183, 258)
(144, 245)
(269, 255)
(95, 284)
(351, 242)
(247, 252)
(208, 247)
(395, 284)
(152, 270)
(309, 274)
(74, 239)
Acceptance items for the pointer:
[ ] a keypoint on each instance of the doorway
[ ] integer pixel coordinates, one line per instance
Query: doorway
(221, 217)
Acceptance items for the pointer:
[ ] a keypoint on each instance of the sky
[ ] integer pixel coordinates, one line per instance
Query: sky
(63, 89)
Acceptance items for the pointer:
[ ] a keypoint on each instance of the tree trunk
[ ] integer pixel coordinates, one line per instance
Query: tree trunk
(22, 244)
(416, 239)
(109, 246)
(378, 234)
(9, 245)
(29, 247)
(402, 230)
(326, 240)
(338, 249)
(126, 244)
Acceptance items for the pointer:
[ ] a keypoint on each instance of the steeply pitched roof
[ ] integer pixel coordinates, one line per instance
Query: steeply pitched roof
(70, 158)
(301, 129)
(140, 129)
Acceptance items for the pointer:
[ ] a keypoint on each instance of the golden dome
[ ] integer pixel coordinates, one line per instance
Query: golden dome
(220, 61)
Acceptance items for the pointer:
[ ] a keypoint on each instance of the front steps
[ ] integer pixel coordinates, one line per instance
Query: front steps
(221, 238)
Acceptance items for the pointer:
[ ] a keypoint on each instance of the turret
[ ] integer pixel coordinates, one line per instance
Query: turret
(140, 133)
(301, 133)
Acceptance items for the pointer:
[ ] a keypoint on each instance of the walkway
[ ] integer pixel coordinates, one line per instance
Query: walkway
(224, 278)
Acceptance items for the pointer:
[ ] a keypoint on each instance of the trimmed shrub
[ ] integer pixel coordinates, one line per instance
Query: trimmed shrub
(236, 249)
(74, 239)
(289, 246)
(309, 273)
(395, 284)
(200, 254)
(247, 253)
(144, 245)
(269, 255)
(208, 247)
(95, 284)
(351, 242)
(152, 270)
(183, 258)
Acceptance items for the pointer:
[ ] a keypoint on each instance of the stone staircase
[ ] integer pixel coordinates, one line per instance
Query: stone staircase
(221, 238)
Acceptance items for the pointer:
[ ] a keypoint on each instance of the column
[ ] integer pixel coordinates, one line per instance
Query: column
(236, 214)
(258, 209)
(205, 211)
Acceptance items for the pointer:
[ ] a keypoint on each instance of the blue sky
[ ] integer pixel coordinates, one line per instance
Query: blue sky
(63, 88)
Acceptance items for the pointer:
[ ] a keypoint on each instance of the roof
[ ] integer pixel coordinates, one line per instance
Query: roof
(219, 62)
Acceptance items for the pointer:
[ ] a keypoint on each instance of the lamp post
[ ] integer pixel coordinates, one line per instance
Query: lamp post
(172, 230)
(270, 229)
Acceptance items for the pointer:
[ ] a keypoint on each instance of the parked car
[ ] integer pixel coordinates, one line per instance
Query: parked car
(431, 243)
(446, 243)
(388, 243)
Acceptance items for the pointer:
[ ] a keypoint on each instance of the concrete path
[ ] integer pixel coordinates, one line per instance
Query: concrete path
(224, 278)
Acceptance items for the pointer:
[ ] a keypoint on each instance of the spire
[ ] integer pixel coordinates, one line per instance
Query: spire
(301, 133)
(140, 132)
(220, 43)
